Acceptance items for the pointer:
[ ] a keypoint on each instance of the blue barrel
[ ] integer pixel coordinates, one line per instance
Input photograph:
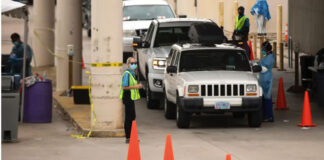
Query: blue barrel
(38, 102)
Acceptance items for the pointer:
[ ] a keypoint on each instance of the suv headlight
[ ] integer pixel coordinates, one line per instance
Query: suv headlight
(193, 89)
(159, 63)
(251, 88)
(129, 33)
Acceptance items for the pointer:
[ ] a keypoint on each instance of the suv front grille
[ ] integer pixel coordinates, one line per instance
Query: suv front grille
(222, 90)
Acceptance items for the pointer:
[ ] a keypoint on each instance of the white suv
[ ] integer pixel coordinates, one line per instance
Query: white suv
(137, 17)
(213, 79)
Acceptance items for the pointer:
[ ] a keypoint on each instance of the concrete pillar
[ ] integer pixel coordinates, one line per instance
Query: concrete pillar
(186, 7)
(43, 24)
(106, 68)
(68, 31)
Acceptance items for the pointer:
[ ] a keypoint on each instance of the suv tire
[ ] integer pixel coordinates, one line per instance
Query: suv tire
(255, 118)
(183, 118)
(170, 110)
(150, 103)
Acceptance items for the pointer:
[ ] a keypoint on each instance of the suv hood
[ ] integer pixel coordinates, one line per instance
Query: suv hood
(219, 77)
(133, 25)
(161, 52)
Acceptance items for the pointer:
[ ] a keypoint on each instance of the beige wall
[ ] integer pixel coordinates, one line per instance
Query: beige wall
(306, 17)
(209, 9)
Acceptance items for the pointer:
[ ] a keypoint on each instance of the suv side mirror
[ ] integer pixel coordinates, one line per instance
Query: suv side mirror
(256, 68)
(146, 44)
(137, 42)
(171, 69)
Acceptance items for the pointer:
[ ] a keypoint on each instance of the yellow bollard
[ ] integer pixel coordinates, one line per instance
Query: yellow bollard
(221, 14)
(274, 50)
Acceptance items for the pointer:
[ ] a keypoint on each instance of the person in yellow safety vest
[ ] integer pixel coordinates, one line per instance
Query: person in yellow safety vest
(129, 93)
(241, 30)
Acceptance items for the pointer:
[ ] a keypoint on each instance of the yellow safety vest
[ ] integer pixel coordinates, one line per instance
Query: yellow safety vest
(135, 95)
(240, 22)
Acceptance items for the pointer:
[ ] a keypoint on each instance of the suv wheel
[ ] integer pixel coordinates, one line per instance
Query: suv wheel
(255, 118)
(169, 109)
(150, 103)
(183, 118)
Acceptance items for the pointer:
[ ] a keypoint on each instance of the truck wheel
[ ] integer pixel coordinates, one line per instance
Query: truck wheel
(169, 109)
(183, 118)
(255, 118)
(150, 103)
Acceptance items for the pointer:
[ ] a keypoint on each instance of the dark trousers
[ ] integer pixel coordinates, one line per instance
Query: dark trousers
(129, 113)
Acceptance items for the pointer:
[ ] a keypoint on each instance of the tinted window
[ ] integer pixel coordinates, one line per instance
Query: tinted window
(166, 36)
(147, 12)
(211, 60)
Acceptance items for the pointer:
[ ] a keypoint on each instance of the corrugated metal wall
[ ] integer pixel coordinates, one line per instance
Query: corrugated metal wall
(306, 24)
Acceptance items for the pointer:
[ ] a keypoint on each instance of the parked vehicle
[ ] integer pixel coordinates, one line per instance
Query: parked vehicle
(137, 16)
(211, 79)
(154, 48)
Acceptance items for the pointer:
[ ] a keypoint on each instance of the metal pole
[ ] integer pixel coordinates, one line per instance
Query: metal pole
(196, 12)
(275, 53)
(24, 64)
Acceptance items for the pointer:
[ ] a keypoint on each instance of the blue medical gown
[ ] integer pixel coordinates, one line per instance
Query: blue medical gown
(261, 8)
(265, 79)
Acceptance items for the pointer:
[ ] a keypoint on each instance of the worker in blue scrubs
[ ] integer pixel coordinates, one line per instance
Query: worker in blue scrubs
(16, 59)
(266, 79)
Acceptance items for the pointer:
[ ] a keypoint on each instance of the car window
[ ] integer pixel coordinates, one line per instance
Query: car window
(149, 33)
(170, 57)
(174, 57)
(176, 62)
(211, 60)
(147, 12)
(166, 36)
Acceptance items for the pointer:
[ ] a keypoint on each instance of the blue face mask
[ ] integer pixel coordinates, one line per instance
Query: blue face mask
(264, 53)
(133, 66)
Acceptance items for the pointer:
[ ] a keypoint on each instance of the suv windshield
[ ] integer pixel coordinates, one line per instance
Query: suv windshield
(214, 60)
(147, 12)
(166, 36)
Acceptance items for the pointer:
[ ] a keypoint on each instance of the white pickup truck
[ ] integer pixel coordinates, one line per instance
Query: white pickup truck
(154, 48)
(213, 79)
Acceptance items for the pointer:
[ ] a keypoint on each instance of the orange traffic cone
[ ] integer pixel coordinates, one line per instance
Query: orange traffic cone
(286, 33)
(251, 51)
(168, 151)
(82, 64)
(228, 157)
(307, 115)
(281, 98)
(133, 148)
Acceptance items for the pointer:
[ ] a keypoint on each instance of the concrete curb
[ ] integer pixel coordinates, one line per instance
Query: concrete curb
(79, 115)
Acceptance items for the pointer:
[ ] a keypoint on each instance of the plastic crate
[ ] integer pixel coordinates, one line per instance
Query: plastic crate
(81, 94)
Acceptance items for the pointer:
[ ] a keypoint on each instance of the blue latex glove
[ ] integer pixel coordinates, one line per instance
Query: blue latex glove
(14, 59)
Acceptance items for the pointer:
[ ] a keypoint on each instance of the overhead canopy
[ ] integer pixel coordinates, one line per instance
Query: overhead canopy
(12, 8)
